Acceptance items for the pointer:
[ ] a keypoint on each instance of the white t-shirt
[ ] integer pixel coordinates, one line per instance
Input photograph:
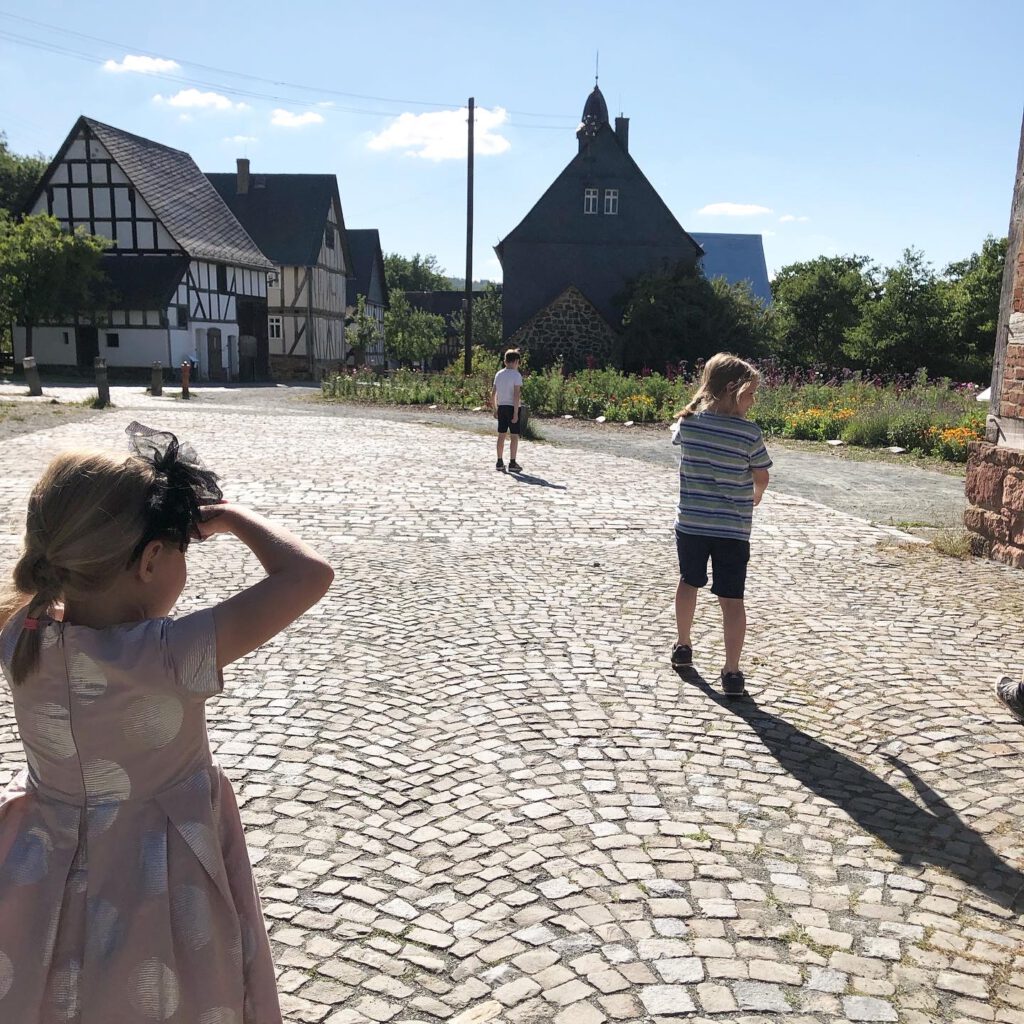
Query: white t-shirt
(505, 383)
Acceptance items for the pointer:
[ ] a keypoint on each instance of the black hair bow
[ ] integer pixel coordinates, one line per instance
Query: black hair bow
(182, 486)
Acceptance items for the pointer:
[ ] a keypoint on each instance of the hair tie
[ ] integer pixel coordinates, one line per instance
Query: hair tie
(30, 624)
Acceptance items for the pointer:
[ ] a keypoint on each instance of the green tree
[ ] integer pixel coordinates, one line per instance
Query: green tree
(19, 175)
(907, 326)
(419, 274)
(411, 335)
(680, 315)
(815, 303)
(46, 274)
(362, 331)
(486, 319)
(973, 287)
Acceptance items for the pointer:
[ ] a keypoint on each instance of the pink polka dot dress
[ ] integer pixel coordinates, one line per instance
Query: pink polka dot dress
(126, 893)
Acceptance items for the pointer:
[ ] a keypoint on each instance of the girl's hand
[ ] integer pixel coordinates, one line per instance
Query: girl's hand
(215, 519)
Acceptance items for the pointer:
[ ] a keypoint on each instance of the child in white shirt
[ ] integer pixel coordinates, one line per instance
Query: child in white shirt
(508, 384)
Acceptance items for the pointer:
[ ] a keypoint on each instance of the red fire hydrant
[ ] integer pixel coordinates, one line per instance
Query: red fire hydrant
(186, 372)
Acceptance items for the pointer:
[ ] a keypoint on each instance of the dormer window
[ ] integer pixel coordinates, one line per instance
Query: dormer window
(590, 200)
(611, 200)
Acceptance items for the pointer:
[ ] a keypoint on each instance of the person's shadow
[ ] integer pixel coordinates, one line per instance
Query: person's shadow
(934, 836)
(537, 481)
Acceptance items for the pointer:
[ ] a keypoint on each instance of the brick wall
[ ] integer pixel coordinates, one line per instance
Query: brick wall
(995, 500)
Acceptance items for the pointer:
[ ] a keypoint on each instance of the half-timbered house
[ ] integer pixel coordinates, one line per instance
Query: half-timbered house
(186, 281)
(297, 221)
(367, 279)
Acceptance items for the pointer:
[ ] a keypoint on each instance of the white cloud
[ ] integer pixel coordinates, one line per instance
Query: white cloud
(733, 210)
(142, 65)
(286, 119)
(441, 135)
(240, 140)
(196, 100)
(789, 218)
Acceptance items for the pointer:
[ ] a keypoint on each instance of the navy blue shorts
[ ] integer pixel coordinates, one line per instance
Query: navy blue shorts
(505, 424)
(729, 559)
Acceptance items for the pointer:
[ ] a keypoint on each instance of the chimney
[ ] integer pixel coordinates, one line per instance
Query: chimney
(243, 173)
(622, 131)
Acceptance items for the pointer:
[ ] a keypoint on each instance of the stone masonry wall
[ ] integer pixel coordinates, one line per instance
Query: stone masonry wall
(1011, 400)
(995, 499)
(569, 328)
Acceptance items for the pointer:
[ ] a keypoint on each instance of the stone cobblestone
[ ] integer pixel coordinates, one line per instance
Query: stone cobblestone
(475, 792)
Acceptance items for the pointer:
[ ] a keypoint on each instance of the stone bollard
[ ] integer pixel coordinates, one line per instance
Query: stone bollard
(156, 380)
(186, 371)
(35, 386)
(524, 417)
(102, 384)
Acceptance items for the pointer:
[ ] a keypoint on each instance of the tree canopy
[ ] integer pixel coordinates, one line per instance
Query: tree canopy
(411, 335)
(418, 274)
(486, 318)
(47, 274)
(19, 175)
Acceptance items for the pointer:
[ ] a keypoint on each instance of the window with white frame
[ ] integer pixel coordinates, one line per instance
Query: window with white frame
(590, 200)
(275, 328)
(611, 200)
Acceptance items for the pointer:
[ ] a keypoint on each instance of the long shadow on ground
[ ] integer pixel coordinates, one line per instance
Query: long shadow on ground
(935, 835)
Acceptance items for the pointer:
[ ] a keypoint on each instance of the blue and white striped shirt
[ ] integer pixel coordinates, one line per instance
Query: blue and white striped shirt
(716, 486)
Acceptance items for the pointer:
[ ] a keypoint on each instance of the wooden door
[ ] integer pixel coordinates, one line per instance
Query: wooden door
(214, 357)
(87, 342)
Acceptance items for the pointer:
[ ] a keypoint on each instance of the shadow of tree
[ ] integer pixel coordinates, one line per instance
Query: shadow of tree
(935, 835)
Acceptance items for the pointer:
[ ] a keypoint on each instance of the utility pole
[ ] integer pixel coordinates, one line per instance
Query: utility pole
(468, 300)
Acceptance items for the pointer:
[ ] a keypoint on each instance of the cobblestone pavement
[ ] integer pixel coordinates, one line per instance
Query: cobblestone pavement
(474, 791)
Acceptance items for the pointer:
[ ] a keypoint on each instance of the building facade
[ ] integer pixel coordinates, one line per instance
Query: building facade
(567, 265)
(368, 280)
(995, 466)
(185, 280)
(297, 221)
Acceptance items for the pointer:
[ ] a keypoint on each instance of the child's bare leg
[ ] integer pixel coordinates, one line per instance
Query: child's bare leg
(513, 447)
(501, 445)
(686, 606)
(734, 626)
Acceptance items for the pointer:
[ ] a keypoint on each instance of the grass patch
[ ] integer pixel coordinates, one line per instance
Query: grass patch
(953, 541)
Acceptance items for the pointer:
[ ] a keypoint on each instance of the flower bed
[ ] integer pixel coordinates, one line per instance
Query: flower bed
(931, 417)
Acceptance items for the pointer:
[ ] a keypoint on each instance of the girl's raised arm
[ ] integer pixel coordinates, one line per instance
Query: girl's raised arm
(297, 577)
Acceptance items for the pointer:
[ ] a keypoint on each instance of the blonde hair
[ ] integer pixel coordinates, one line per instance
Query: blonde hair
(86, 516)
(725, 377)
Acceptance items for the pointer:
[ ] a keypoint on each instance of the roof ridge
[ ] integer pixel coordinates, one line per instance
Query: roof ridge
(93, 123)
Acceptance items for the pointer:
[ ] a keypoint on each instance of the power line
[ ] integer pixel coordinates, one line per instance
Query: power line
(65, 51)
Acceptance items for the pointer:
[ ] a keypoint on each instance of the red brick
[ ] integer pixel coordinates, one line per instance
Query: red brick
(1009, 554)
(985, 487)
(990, 525)
(1013, 491)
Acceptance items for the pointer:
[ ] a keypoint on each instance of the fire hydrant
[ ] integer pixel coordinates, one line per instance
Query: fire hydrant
(186, 372)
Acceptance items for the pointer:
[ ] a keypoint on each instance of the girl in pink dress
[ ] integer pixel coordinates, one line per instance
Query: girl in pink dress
(126, 894)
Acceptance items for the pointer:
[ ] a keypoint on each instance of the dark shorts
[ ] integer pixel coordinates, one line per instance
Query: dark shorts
(728, 562)
(505, 424)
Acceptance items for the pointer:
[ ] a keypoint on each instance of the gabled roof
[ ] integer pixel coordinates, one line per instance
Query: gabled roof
(142, 282)
(736, 258)
(364, 244)
(441, 303)
(178, 193)
(286, 214)
(603, 136)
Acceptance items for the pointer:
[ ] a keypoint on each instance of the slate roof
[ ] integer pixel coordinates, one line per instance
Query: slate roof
(142, 282)
(736, 258)
(364, 244)
(179, 194)
(286, 214)
(440, 303)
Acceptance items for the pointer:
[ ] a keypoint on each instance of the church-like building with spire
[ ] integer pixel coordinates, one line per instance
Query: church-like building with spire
(600, 224)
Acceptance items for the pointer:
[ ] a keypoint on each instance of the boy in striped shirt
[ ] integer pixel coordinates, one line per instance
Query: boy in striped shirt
(723, 472)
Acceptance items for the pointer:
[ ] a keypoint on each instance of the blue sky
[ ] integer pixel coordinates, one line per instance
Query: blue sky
(863, 127)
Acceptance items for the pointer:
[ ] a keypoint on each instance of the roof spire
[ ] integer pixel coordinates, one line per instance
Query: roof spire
(597, 66)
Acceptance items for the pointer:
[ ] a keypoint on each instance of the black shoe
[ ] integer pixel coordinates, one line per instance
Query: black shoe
(682, 656)
(499, 466)
(514, 467)
(733, 684)
(1011, 693)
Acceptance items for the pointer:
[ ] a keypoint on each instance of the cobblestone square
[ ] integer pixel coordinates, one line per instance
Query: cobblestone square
(475, 791)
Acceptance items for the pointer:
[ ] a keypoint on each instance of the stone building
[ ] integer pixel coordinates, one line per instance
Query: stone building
(995, 468)
(567, 265)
